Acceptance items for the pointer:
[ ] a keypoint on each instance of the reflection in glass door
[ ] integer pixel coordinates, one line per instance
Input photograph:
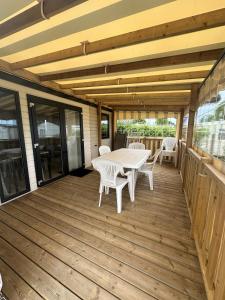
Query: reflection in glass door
(57, 138)
(13, 169)
(47, 141)
(73, 139)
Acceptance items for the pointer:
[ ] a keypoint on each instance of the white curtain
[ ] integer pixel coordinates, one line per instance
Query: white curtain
(214, 83)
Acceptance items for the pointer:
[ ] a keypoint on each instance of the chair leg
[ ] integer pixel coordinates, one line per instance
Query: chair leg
(100, 200)
(175, 160)
(130, 190)
(150, 177)
(161, 158)
(106, 190)
(119, 200)
(101, 189)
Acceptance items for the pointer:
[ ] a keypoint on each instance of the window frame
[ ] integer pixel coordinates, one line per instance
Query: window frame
(21, 139)
(108, 123)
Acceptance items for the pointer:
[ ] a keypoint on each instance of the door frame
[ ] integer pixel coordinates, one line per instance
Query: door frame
(23, 149)
(64, 152)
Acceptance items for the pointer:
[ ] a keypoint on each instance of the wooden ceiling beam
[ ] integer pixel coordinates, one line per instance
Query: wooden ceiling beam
(166, 108)
(133, 89)
(147, 102)
(33, 15)
(209, 55)
(137, 80)
(190, 24)
(170, 95)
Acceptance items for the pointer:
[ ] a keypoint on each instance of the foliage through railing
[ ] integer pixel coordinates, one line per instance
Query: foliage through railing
(160, 128)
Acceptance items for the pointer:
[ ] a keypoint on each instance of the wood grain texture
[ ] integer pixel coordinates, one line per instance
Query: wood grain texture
(137, 80)
(188, 58)
(187, 25)
(204, 188)
(94, 253)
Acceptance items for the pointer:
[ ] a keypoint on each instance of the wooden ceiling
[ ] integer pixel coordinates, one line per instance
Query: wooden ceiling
(124, 54)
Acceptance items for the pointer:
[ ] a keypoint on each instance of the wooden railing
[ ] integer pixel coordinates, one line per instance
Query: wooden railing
(204, 189)
(152, 143)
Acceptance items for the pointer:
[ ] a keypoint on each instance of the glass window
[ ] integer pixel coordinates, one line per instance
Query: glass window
(105, 126)
(13, 171)
(185, 127)
(209, 132)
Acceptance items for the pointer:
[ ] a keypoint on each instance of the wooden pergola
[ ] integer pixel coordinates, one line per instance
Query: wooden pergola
(124, 56)
(145, 64)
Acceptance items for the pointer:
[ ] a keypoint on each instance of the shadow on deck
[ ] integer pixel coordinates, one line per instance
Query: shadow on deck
(55, 243)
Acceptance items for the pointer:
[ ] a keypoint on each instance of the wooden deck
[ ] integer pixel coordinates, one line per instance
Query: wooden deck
(56, 243)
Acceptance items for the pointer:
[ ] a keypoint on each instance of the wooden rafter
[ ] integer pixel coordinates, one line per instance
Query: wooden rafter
(171, 87)
(209, 55)
(190, 24)
(33, 15)
(147, 102)
(150, 108)
(137, 80)
(156, 95)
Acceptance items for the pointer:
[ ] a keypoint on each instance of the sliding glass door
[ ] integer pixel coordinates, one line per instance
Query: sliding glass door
(47, 141)
(13, 168)
(73, 139)
(57, 138)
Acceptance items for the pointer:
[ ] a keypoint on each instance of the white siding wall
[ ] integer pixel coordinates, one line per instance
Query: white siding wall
(94, 131)
(89, 116)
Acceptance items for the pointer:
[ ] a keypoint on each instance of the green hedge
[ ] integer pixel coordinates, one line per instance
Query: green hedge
(146, 130)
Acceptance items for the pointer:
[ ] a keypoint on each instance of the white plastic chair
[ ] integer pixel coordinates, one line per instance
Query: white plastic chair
(136, 146)
(169, 148)
(147, 168)
(103, 150)
(109, 171)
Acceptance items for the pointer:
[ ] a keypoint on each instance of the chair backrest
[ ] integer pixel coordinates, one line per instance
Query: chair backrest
(104, 150)
(136, 146)
(108, 170)
(169, 143)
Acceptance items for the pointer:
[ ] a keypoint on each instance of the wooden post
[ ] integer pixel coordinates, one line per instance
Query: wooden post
(192, 108)
(179, 128)
(191, 120)
(99, 119)
(112, 130)
(179, 134)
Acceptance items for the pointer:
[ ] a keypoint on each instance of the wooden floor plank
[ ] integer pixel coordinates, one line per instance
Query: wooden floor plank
(127, 221)
(111, 231)
(97, 237)
(140, 278)
(40, 281)
(72, 249)
(65, 273)
(15, 287)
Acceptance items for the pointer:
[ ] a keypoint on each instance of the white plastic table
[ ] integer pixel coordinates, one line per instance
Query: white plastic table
(131, 159)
